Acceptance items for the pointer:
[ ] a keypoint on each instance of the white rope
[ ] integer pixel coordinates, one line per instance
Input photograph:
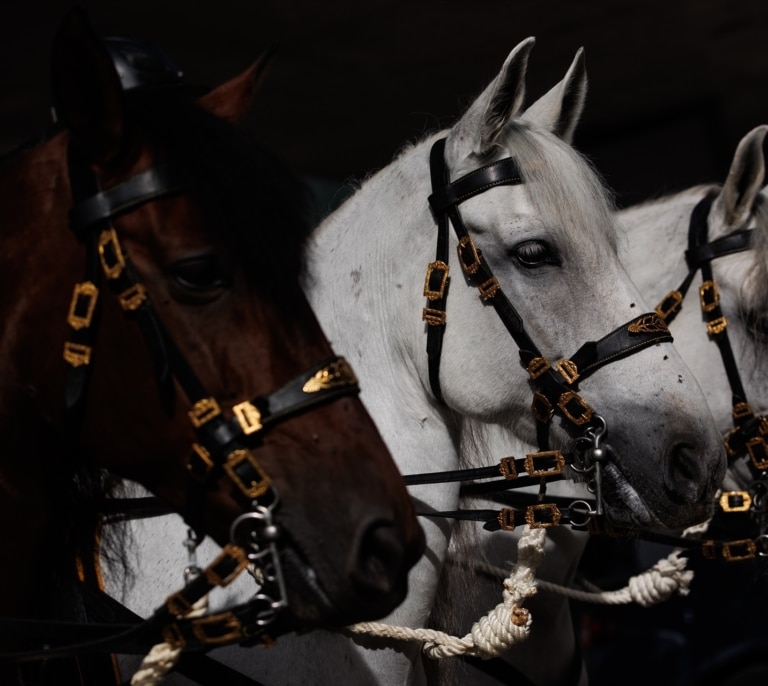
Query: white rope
(162, 658)
(657, 584)
(504, 626)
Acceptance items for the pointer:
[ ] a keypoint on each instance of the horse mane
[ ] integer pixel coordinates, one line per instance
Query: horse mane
(256, 205)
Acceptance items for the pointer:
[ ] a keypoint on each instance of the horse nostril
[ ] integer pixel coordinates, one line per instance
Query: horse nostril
(379, 567)
(683, 474)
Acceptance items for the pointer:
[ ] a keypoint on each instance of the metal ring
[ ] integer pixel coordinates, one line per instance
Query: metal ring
(583, 508)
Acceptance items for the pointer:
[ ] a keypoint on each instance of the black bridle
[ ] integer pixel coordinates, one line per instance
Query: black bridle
(749, 436)
(555, 386)
(224, 445)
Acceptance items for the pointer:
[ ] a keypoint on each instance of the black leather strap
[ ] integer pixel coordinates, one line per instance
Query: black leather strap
(141, 188)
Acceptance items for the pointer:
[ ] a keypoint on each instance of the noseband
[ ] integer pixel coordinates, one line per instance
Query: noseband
(750, 431)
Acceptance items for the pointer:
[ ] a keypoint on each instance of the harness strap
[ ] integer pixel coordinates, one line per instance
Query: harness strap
(750, 433)
(141, 188)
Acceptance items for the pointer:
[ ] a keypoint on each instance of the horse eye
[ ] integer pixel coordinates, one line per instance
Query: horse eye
(535, 253)
(201, 273)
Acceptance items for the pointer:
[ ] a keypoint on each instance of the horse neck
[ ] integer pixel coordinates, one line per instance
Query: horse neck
(653, 237)
(365, 268)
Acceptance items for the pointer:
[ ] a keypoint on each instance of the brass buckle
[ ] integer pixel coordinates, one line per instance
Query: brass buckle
(586, 410)
(443, 268)
(489, 288)
(257, 487)
(84, 297)
(204, 459)
(717, 326)
(508, 468)
(531, 515)
(248, 416)
(670, 304)
(132, 298)
(708, 296)
(233, 553)
(568, 370)
(110, 254)
(735, 501)
(744, 549)
(541, 408)
(433, 317)
(229, 624)
(336, 375)
(741, 410)
(203, 411)
(551, 455)
(537, 366)
(506, 518)
(77, 354)
(465, 243)
(758, 452)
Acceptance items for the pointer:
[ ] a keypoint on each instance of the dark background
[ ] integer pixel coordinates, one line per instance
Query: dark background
(674, 84)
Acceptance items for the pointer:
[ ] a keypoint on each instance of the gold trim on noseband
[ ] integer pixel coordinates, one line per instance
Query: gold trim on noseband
(336, 375)
(650, 323)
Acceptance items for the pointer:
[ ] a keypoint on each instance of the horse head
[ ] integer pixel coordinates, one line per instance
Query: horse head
(541, 220)
(205, 376)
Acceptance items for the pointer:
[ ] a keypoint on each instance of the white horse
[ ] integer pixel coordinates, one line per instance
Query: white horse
(653, 245)
(550, 241)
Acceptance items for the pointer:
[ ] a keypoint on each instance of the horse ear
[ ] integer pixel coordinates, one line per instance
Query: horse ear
(733, 206)
(559, 110)
(233, 99)
(487, 116)
(86, 89)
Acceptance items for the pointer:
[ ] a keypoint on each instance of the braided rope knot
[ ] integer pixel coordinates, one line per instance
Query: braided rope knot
(658, 583)
(162, 657)
(505, 625)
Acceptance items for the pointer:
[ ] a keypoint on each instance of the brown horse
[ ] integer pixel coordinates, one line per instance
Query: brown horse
(209, 315)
